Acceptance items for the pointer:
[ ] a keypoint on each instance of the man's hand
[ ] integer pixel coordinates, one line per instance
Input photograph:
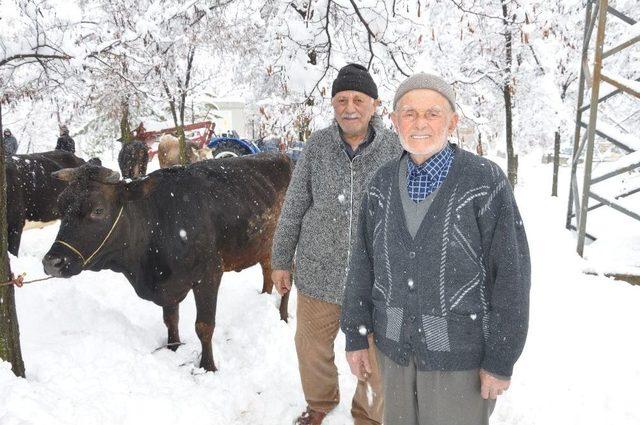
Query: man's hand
(491, 387)
(282, 280)
(359, 363)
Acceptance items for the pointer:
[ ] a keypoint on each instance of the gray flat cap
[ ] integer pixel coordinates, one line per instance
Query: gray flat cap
(423, 80)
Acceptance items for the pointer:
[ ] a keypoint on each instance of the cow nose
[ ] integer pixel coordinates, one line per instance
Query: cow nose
(53, 264)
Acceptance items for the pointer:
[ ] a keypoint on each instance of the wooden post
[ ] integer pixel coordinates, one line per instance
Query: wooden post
(556, 164)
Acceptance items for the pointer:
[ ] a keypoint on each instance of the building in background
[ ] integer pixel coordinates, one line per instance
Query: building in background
(229, 115)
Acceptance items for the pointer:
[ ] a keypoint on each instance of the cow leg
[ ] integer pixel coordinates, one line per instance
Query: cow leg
(267, 286)
(171, 316)
(206, 296)
(267, 283)
(284, 307)
(14, 235)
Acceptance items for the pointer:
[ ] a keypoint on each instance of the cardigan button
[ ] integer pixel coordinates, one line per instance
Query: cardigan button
(412, 255)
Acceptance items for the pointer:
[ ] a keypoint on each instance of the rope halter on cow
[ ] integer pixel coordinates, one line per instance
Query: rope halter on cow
(77, 252)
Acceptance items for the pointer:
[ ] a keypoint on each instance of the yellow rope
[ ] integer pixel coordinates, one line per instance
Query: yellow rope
(71, 248)
(85, 262)
(106, 237)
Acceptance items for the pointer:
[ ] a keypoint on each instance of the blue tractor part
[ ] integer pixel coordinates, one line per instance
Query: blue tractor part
(226, 147)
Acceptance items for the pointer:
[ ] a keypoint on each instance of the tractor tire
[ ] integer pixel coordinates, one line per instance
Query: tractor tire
(228, 150)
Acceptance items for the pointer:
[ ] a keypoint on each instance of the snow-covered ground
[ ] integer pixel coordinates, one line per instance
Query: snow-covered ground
(88, 345)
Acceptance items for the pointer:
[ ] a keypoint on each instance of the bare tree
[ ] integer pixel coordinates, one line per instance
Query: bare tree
(29, 65)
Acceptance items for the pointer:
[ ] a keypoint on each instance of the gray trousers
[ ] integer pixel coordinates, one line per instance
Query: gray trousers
(415, 397)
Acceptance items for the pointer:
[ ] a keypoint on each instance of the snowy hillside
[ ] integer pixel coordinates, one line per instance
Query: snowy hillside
(88, 345)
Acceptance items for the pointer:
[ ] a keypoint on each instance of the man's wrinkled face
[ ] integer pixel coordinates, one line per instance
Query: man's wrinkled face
(424, 119)
(353, 111)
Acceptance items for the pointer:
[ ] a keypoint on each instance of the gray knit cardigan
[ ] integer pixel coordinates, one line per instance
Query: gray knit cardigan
(455, 297)
(320, 211)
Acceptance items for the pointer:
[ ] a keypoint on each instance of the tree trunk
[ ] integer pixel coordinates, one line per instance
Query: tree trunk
(183, 145)
(512, 158)
(181, 136)
(183, 104)
(179, 125)
(556, 164)
(9, 330)
(125, 127)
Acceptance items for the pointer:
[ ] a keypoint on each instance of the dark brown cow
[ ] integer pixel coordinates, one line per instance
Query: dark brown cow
(32, 192)
(176, 230)
(133, 159)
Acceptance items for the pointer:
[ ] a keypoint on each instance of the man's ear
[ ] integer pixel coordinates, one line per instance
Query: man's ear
(138, 189)
(453, 123)
(394, 119)
(376, 103)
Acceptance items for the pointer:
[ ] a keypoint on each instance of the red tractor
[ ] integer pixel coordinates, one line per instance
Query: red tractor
(198, 133)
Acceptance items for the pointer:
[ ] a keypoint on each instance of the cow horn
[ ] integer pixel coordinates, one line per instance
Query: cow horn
(66, 174)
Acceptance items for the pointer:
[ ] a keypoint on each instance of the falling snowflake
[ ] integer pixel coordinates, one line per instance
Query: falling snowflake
(362, 330)
(183, 234)
(341, 198)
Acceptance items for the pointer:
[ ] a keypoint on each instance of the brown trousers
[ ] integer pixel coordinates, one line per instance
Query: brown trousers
(318, 325)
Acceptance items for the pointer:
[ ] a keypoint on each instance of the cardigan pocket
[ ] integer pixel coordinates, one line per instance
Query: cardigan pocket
(387, 322)
(309, 271)
(465, 332)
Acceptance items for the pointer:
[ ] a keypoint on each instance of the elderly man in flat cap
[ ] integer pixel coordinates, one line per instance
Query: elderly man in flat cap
(439, 273)
(317, 226)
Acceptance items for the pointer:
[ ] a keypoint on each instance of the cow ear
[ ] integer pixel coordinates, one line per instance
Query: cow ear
(105, 175)
(66, 174)
(138, 189)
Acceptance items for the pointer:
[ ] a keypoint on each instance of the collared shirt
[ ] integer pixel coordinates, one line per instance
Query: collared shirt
(371, 134)
(424, 179)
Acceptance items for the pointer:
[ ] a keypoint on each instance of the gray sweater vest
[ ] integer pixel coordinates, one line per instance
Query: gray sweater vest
(414, 212)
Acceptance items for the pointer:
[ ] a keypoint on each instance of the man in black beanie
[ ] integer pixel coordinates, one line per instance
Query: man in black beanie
(316, 230)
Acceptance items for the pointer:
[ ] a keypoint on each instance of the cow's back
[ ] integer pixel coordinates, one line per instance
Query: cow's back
(41, 191)
(31, 191)
(224, 206)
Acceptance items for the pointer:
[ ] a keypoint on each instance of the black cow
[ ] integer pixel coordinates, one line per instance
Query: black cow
(133, 159)
(177, 229)
(32, 192)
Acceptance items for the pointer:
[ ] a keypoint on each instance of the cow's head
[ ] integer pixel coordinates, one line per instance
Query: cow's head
(92, 225)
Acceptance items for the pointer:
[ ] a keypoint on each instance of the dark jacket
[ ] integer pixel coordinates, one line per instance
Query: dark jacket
(10, 145)
(66, 143)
